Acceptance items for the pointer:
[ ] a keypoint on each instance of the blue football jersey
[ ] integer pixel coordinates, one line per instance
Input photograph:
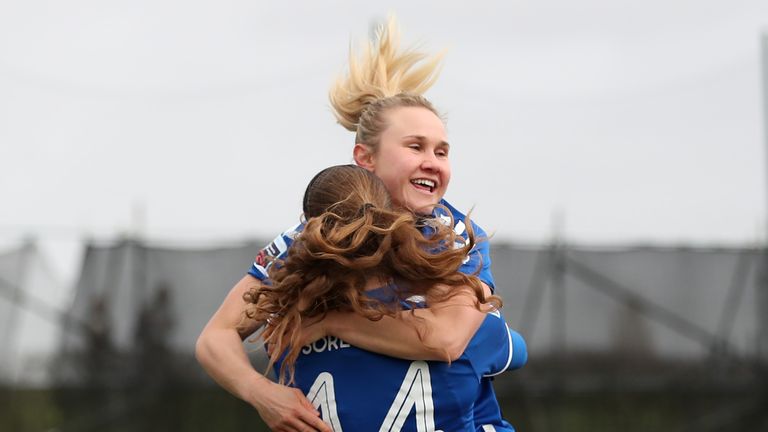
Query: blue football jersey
(357, 390)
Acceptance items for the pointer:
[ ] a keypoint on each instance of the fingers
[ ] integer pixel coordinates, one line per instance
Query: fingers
(286, 409)
(306, 422)
(315, 423)
(307, 404)
(312, 331)
(301, 421)
(311, 416)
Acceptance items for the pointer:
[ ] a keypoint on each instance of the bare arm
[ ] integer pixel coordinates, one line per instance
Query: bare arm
(447, 328)
(220, 351)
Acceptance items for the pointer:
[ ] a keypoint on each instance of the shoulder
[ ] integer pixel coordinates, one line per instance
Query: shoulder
(459, 220)
(276, 249)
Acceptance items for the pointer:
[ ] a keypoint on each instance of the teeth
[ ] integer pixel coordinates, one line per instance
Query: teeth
(424, 182)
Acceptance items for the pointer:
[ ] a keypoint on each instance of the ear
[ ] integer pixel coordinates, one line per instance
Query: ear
(363, 156)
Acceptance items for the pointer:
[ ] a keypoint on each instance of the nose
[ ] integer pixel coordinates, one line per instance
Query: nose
(430, 162)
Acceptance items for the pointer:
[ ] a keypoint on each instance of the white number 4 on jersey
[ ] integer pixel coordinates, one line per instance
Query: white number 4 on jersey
(415, 394)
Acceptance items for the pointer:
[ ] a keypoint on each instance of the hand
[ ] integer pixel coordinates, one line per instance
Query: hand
(285, 409)
(315, 329)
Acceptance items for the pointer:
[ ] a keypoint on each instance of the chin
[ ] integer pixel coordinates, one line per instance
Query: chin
(424, 208)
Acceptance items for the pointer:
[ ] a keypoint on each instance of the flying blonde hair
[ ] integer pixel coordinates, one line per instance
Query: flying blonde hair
(382, 77)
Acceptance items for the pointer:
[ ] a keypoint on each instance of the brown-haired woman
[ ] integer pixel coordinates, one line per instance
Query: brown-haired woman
(357, 253)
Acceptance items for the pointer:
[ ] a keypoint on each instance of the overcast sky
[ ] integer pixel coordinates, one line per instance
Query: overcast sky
(190, 120)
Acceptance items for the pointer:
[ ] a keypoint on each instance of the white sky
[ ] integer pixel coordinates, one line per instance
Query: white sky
(637, 121)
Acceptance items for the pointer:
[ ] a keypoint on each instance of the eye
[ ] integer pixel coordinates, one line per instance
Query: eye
(414, 146)
(441, 152)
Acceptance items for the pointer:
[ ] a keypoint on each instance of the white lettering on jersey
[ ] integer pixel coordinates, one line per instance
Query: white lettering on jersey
(328, 343)
(323, 397)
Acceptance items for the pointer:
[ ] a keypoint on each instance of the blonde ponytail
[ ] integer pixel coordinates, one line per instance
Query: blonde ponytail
(380, 78)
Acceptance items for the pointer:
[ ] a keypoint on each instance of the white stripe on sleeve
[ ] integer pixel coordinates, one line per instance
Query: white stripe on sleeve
(509, 356)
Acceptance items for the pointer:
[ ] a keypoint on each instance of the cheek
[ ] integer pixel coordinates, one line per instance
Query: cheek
(399, 170)
(446, 175)
(391, 178)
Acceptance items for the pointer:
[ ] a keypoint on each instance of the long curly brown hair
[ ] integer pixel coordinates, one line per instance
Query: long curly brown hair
(353, 235)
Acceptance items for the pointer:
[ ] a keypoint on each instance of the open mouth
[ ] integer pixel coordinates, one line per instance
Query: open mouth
(424, 184)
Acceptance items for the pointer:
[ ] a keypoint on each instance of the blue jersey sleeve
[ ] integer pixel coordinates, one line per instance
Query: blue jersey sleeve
(483, 250)
(519, 350)
(277, 249)
(479, 260)
(492, 349)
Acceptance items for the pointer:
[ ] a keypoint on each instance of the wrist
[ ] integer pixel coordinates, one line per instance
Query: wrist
(331, 324)
(254, 389)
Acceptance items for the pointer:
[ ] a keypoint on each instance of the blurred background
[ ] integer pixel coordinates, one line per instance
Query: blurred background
(615, 150)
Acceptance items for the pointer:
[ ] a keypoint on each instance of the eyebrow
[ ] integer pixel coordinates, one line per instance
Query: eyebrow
(423, 138)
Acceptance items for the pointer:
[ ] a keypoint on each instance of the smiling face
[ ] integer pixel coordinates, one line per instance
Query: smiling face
(411, 158)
